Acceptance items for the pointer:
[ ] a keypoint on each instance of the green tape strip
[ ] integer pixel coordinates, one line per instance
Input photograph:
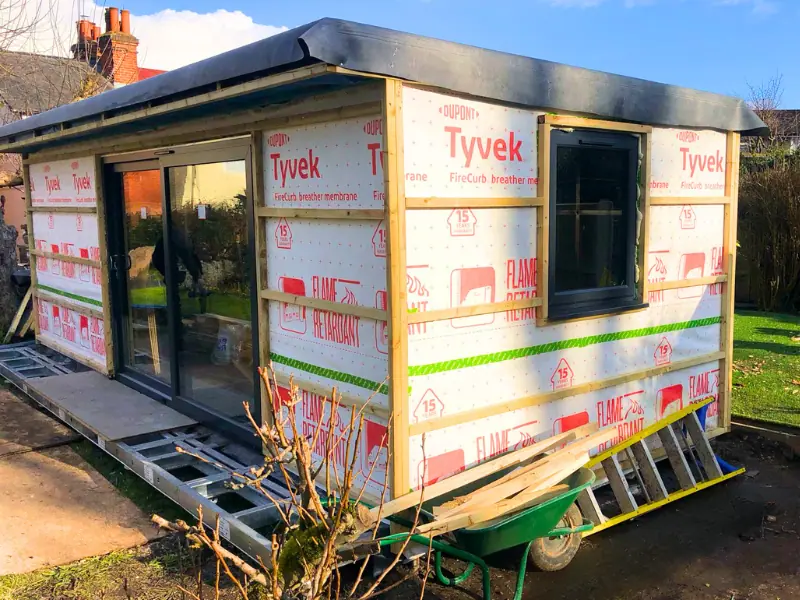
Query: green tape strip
(57, 292)
(382, 388)
(496, 357)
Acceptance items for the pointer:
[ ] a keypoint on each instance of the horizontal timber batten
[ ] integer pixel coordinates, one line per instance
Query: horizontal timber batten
(320, 304)
(686, 200)
(63, 257)
(61, 301)
(570, 121)
(321, 213)
(659, 286)
(537, 399)
(471, 311)
(68, 352)
(325, 392)
(170, 107)
(473, 202)
(84, 210)
(329, 115)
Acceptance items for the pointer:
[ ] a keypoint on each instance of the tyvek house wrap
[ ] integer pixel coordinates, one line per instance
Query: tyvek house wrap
(467, 69)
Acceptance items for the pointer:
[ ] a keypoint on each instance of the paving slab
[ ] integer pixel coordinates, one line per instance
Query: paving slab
(57, 509)
(108, 407)
(24, 428)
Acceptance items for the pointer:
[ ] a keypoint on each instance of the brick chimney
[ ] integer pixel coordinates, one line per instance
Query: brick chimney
(118, 49)
(86, 47)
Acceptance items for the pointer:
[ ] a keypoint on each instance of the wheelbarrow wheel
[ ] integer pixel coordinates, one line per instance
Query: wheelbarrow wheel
(553, 554)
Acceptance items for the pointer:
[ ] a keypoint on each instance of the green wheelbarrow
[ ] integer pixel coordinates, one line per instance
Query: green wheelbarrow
(549, 534)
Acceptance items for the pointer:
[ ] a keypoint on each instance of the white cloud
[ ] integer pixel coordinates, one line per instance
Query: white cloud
(168, 39)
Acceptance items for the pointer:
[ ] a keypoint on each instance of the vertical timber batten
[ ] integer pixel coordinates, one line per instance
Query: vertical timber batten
(104, 271)
(543, 218)
(260, 245)
(396, 284)
(729, 268)
(26, 178)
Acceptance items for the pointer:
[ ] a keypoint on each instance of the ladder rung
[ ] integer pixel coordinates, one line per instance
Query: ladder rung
(702, 447)
(676, 458)
(649, 472)
(587, 502)
(619, 485)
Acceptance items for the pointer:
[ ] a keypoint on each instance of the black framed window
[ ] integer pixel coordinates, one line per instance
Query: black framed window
(593, 208)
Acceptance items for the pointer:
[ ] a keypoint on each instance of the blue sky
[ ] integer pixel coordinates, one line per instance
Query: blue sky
(715, 45)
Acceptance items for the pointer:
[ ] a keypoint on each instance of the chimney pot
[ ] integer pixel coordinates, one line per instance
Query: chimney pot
(126, 21)
(112, 20)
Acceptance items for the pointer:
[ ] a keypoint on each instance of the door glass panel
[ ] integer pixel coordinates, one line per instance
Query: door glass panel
(210, 256)
(147, 345)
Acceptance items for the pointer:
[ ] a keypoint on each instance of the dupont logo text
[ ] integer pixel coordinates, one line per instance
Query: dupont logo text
(374, 127)
(688, 137)
(276, 140)
(458, 112)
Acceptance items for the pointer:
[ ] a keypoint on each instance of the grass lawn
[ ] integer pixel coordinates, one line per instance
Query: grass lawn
(766, 367)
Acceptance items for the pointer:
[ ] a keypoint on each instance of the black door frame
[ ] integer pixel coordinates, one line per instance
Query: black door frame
(164, 159)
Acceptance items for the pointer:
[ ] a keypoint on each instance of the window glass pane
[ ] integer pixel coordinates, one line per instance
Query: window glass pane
(593, 208)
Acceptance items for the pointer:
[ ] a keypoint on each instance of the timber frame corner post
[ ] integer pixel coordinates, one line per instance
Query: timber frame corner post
(730, 220)
(395, 223)
(105, 275)
(545, 126)
(26, 181)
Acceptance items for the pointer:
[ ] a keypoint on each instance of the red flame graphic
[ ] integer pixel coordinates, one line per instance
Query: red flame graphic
(659, 267)
(415, 286)
(349, 297)
(277, 140)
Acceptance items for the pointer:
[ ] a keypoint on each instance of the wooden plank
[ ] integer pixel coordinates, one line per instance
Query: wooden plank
(648, 471)
(365, 312)
(66, 302)
(64, 258)
(644, 207)
(26, 177)
(515, 482)
(456, 312)
(570, 121)
(83, 210)
(688, 200)
(440, 488)
(18, 317)
(498, 509)
(394, 168)
(349, 111)
(687, 283)
(729, 266)
(543, 223)
(260, 243)
(233, 91)
(321, 213)
(619, 484)
(676, 458)
(105, 274)
(421, 202)
(491, 410)
(28, 323)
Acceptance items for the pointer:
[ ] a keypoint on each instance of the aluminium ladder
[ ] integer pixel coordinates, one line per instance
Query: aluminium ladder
(690, 456)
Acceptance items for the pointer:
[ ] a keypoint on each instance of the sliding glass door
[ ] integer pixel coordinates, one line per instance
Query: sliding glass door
(183, 261)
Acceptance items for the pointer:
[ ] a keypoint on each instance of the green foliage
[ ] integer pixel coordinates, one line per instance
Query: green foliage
(769, 232)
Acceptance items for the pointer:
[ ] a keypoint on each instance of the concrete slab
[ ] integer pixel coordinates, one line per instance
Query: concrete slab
(24, 428)
(108, 407)
(57, 509)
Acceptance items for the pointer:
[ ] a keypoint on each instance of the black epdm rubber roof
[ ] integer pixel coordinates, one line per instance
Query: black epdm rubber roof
(457, 67)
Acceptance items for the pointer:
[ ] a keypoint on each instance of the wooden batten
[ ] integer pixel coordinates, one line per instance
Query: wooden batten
(66, 302)
(443, 203)
(457, 312)
(335, 214)
(365, 312)
(687, 283)
(26, 178)
(543, 221)
(85, 210)
(65, 258)
(570, 121)
(396, 284)
(682, 201)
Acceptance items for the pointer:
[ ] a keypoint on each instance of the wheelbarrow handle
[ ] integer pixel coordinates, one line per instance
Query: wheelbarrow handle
(562, 531)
